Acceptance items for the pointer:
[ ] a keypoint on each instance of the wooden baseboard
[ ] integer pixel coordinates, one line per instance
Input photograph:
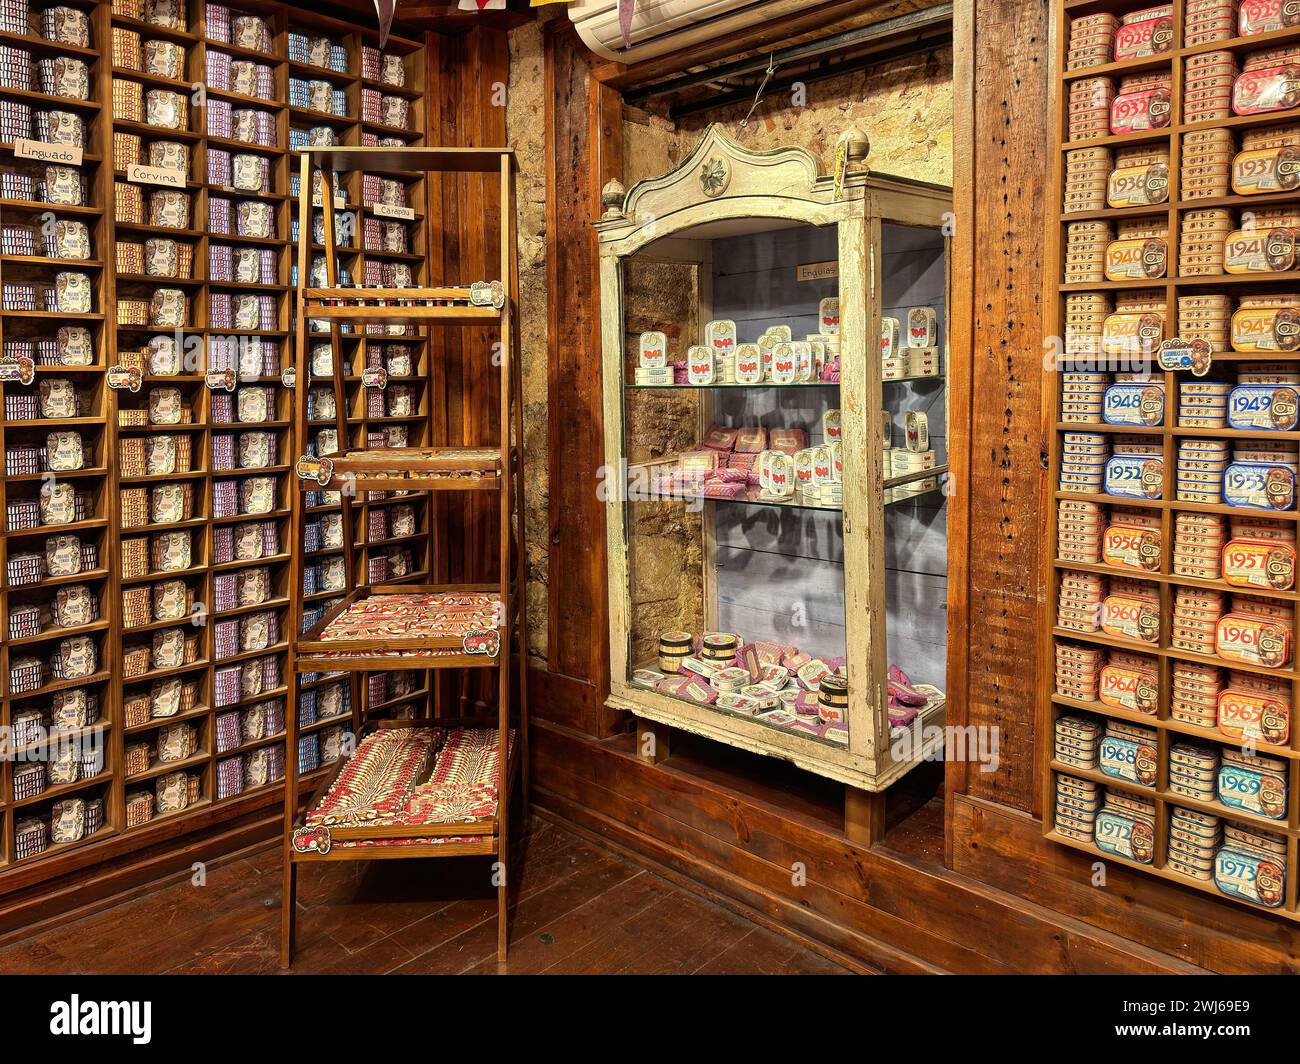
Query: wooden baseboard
(879, 907)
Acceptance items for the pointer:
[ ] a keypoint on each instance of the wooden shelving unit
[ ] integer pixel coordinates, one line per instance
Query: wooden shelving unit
(440, 784)
(1164, 581)
(222, 658)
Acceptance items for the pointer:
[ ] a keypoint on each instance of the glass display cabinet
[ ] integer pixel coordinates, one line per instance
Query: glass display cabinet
(775, 382)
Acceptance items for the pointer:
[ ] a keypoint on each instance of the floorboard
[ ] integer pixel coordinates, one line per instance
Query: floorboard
(577, 908)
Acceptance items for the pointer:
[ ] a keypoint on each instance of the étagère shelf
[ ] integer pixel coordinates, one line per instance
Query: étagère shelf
(1168, 731)
(430, 785)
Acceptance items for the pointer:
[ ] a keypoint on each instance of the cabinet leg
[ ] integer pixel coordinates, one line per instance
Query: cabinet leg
(864, 816)
(289, 911)
(651, 741)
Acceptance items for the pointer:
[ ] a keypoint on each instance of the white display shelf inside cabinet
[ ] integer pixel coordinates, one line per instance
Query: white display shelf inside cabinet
(858, 581)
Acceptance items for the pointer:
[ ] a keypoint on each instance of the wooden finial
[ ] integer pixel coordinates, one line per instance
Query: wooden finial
(611, 198)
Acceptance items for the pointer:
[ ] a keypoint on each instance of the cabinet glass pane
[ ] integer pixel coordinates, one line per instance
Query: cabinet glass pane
(721, 557)
(914, 391)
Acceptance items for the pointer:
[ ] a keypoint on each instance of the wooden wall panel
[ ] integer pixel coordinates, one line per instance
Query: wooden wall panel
(583, 151)
(465, 219)
(1001, 100)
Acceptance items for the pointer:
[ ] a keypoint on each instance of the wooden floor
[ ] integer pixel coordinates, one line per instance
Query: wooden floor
(578, 908)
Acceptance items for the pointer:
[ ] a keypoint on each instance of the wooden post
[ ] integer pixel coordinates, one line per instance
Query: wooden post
(864, 816)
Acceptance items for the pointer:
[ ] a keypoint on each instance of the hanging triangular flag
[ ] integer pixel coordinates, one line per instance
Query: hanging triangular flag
(543, 3)
(626, 8)
(384, 9)
(481, 5)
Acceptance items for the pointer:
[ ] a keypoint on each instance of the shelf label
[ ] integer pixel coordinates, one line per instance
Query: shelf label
(42, 152)
(375, 378)
(221, 379)
(340, 202)
(818, 271)
(140, 174)
(387, 210)
(124, 378)
(22, 370)
(289, 377)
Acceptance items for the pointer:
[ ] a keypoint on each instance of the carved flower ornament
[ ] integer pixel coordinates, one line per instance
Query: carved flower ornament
(714, 175)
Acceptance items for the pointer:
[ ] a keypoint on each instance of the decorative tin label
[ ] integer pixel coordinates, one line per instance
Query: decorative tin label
(1130, 547)
(1273, 88)
(917, 429)
(1134, 477)
(1133, 404)
(1256, 792)
(1266, 170)
(1195, 354)
(1260, 250)
(1250, 876)
(749, 364)
(221, 380)
(1253, 715)
(1270, 407)
(1129, 617)
(1142, 109)
(1266, 330)
(375, 377)
(1266, 16)
(721, 336)
(700, 366)
(1252, 640)
(1136, 259)
(124, 378)
(1128, 688)
(1124, 836)
(828, 316)
(1259, 485)
(289, 377)
(653, 350)
(1138, 186)
(1148, 36)
(1267, 564)
(482, 641)
(1127, 759)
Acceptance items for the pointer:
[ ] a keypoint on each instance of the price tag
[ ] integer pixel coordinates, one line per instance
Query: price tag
(376, 377)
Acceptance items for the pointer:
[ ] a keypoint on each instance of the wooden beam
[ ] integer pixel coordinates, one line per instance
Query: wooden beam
(829, 17)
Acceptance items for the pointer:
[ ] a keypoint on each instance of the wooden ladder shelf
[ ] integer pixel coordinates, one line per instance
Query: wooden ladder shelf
(434, 787)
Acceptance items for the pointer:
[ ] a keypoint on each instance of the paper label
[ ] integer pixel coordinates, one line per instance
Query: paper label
(387, 210)
(1133, 404)
(1272, 408)
(1135, 477)
(1266, 170)
(1133, 112)
(140, 174)
(1256, 792)
(1130, 618)
(40, 151)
